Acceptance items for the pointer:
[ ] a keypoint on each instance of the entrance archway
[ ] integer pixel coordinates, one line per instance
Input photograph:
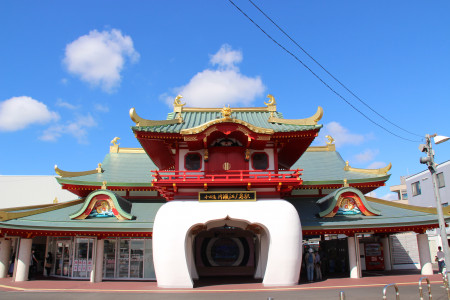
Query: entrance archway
(178, 222)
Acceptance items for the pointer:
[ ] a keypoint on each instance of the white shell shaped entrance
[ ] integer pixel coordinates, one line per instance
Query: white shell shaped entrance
(280, 251)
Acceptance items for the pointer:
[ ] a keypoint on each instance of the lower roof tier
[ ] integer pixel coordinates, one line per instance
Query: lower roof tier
(54, 220)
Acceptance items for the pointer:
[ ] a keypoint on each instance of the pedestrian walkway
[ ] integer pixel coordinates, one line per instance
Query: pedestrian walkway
(63, 285)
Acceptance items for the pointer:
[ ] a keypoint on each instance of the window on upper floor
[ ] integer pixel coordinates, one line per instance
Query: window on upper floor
(440, 180)
(193, 161)
(260, 161)
(416, 188)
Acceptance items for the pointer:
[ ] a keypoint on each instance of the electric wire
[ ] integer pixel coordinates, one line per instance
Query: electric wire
(331, 75)
(317, 76)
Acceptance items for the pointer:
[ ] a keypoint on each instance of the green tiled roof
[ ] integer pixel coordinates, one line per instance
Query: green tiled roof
(133, 169)
(122, 205)
(120, 169)
(328, 203)
(327, 167)
(144, 214)
(194, 119)
(390, 216)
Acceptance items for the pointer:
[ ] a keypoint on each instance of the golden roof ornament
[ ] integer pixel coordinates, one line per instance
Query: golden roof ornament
(330, 140)
(272, 101)
(226, 112)
(177, 101)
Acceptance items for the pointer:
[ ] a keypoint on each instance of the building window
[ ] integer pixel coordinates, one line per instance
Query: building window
(404, 196)
(440, 180)
(260, 161)
(193, 161)
(416, 188)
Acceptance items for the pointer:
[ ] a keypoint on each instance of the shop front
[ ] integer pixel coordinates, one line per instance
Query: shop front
(123, 258)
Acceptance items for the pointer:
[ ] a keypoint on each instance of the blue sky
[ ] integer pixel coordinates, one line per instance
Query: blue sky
(71, 70)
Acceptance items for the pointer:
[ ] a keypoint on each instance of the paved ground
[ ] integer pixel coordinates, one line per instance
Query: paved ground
(369, 287)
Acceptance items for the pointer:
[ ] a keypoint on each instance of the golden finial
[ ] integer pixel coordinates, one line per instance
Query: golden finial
(272, 101)
(346, 163)
(226, 112)
(346, 183)
(104, 185)
(330, 140)
(55, 200)
(114, 141)
(177, 101)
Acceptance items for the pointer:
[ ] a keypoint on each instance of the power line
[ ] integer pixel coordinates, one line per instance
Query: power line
(317, 76)
(323, 68)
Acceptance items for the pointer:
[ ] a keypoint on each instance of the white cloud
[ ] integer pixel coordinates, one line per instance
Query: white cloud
(76, 128)
(390, 196)
(19, 112)
(62, 103)
(101, 108)
(99, 57)
(342, 135)
(226, 57)
(377, 165)
(367, 155)
(221, 86)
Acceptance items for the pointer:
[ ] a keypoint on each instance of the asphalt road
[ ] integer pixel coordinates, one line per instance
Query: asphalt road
(365, 293)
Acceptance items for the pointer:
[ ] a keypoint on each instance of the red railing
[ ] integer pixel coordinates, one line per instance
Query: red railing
(229, 176)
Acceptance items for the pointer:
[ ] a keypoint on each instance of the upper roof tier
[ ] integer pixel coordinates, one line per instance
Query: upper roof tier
(265, 120)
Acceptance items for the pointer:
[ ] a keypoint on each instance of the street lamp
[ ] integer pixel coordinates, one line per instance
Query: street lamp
(429, 161)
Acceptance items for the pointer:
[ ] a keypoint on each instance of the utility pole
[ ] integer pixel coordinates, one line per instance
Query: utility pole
(429, 161)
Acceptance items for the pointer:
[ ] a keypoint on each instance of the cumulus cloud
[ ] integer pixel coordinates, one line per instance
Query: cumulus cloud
(62, 103)
(76, 128)
(342, 135)
(99, 57)
(366, 155)
(377, 165)
(222, 85)
(20, 112)
(390, 196)
(101, 108)
(226, 57)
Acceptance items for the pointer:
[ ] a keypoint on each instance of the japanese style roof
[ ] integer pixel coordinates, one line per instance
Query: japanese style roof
(55, 220)
(328, 167)
(126, 168)
(197, 117)
(393, 217)
(264, 119)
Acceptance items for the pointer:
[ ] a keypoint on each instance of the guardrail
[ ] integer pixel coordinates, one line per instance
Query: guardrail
(445, 280)
(421, 289)
(397, 293)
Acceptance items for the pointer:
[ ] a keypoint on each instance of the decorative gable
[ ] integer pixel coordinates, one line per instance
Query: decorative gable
(104, 204)
(345, 201)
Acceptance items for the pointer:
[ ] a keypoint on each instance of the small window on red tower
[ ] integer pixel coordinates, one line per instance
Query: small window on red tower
(193, 161)
(260, 161)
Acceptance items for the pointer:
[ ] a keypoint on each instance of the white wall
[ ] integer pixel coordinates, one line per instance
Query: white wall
(24, 190)
(427, 198)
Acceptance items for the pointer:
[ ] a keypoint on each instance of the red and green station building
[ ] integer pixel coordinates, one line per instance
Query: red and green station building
(214, 192)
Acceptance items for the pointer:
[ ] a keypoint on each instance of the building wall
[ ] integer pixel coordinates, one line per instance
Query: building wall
(426, 197)
(25, 190)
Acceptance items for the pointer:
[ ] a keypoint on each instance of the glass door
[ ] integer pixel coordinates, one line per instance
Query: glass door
(109, 258)
(82, 262)
(124, 258)
(62, 261)
(137, 259)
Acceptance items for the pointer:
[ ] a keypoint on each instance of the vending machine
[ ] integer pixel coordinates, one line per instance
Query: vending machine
(374, 256)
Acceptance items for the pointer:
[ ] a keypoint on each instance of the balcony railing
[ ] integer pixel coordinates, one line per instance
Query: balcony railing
(232, 176)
